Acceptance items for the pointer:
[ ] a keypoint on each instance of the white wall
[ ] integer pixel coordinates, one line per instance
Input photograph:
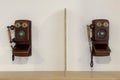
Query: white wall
(48, 34)
(80, 13)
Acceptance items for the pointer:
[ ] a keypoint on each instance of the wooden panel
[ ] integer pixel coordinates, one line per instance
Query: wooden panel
(50, 75)
(65, 38)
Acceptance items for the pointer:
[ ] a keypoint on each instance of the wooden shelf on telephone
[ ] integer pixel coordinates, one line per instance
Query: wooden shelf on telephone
(101, 50)
(21, 50)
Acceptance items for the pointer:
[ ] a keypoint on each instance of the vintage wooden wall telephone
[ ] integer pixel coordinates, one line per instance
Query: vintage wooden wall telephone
(99, 38)
(22, 40)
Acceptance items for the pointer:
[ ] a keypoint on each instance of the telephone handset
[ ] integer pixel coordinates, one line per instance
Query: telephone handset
(9, 35)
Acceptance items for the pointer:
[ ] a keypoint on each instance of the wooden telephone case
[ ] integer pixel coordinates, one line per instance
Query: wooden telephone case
(22, 40)
(99, 40)
(100, 37)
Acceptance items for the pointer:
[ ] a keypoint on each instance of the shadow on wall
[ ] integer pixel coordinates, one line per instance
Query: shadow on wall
(47, 42)
(20, 60)
(103, 60)
(51, 40)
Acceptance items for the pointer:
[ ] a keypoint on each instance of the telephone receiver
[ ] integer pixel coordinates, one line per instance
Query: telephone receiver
(9, 32)
(9, 35)
(22, 39)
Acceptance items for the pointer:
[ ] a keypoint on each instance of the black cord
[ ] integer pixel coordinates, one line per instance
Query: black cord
(91, 62)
